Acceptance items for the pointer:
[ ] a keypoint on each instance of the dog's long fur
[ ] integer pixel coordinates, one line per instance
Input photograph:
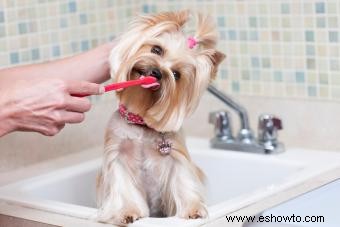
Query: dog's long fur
(136, 180)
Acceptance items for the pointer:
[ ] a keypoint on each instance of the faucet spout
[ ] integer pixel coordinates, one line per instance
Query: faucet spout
(242, 112)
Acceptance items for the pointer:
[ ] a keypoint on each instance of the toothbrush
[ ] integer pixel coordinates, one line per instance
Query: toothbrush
(147, 80)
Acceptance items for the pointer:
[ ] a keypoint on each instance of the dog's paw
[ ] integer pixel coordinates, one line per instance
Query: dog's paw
(195, 213)
(125, 219)
(129, 218)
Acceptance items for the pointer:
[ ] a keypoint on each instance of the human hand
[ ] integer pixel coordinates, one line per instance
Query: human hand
(43, 105)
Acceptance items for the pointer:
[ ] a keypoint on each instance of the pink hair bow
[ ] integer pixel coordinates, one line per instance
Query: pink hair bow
(192, 42)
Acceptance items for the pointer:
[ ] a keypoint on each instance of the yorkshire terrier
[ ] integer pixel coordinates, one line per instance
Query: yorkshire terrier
(147, 170)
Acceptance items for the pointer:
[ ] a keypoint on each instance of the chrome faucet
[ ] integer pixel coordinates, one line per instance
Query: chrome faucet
(245, 140)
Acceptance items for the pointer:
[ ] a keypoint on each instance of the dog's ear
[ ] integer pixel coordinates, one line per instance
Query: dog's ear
(176, 18)
(213, 58)
(216, 58)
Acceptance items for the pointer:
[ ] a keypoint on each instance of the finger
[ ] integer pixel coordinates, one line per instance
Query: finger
(76, 104)
(83, 88)
(73, 117)
(60, 126)
(52, 130)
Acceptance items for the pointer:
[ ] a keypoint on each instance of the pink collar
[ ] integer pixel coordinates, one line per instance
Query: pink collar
(131, 118)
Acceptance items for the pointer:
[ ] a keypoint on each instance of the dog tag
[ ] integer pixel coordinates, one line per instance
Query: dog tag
(165, 146)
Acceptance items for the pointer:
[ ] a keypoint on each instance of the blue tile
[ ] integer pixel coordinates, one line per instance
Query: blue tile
(224, 74)
(311, 91)
(220, 21)
(320, 7)
(83, 18)
(56, 51)
(235, 86)
(63, 23)
(309, 36)
(22, 27)
(2, 17)
(310, 50)
(253, 35)
(253, 22)
(333, 37)
(146, 8)
(255, 62)
(14, 57)
(285, 8)
(232, 35)
(300, 77)
(278, 76)
(84, 45)
(35, 54)
(72, 6)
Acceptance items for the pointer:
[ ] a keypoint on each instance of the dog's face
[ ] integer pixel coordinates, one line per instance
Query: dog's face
(156, 45)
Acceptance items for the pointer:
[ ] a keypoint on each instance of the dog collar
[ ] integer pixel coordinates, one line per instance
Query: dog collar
(164, 146)
(131, 118)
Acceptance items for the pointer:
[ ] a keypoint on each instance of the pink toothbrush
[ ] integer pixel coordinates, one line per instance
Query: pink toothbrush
(147, 81)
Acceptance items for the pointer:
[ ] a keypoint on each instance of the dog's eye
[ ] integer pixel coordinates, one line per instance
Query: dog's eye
(157, 50)
(176, 74)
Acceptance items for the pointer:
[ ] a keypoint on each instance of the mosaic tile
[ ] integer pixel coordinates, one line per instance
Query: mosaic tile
(333, 36)
(72, 6)
(321, 22)
(309, 35)
(14, 58)
(300, 77)
(323, 78)
(56, 51)
(2, 31)
(320, 7)
(285, 8)
(323, 92)
(35, 54)
(2, 17)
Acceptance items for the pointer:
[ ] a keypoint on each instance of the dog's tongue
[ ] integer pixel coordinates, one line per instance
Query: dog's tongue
(153, 86)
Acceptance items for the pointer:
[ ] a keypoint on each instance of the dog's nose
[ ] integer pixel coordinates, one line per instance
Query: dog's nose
(156, 73)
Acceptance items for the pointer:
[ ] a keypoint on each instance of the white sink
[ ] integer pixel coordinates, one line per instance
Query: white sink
(235, 180)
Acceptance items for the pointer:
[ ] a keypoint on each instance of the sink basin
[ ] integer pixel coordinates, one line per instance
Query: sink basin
(234, 180)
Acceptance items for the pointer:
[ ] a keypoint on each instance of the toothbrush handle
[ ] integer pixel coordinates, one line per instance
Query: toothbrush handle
(125, 84)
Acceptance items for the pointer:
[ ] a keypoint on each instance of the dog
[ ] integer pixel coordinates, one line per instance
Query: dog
(147, 170)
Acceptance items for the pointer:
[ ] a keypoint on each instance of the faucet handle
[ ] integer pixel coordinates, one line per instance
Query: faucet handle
(221, 121)
(269, 122)
(267, 131)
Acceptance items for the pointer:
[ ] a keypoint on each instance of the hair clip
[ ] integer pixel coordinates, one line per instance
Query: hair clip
(192, 42)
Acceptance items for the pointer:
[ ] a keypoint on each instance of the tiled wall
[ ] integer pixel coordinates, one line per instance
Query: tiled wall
(276, 48)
